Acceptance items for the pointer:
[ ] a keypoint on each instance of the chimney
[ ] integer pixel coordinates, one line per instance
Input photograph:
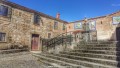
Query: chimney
(85, 19)
(58, 16)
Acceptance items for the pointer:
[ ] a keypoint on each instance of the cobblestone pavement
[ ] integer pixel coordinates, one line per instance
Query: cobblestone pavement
(19, 60)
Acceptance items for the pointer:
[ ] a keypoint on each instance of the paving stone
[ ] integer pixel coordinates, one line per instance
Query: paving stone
(19, 60)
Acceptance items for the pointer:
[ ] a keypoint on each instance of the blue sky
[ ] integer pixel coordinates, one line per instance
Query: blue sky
(72, 10)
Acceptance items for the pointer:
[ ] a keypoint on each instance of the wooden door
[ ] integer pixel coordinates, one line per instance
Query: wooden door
(118, 34)
(35, 42)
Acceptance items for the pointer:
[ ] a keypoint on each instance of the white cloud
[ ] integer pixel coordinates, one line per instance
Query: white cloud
(115, 4)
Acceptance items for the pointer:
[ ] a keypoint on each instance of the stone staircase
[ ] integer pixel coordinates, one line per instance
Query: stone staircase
(84, 55)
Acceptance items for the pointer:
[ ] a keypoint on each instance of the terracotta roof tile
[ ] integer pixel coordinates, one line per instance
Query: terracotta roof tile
(14, 5)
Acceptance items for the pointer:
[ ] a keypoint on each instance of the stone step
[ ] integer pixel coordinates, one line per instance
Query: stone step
(80, 62)
(88, 59)
(97, 52)
(99, 48)
(97, 45)
(12, 51)
(56, 63)
(45, 63)
(101, 56)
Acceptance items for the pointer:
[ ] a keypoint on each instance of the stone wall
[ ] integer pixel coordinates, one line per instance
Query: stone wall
(20, 26)
(70, 27)
(104, 26)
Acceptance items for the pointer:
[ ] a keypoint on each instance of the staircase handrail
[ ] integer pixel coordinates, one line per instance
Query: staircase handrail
(55, 40)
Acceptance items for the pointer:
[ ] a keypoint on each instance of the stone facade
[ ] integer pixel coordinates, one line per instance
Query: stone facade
(105, 29)
(19, 26)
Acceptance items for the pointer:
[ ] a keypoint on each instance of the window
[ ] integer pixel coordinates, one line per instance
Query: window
(3, 10)
(116, 20)
(78, 25)
(36, 19)
(69, 27)
(55, 25)
(49, 35)
(2, 36)
(92, 25)
(101, 22)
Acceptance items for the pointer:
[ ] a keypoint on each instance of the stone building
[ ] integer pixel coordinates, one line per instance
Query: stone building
(98, 28)
(26, 27)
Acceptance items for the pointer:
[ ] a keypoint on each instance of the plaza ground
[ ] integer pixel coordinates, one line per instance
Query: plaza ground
(19, 60)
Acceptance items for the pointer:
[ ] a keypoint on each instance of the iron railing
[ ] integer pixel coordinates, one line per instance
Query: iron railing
(66, 39)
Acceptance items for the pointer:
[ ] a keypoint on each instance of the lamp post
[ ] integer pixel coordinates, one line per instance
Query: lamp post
(85, 24)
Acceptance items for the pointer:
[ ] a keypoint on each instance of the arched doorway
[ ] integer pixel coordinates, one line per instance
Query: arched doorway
(118, 34)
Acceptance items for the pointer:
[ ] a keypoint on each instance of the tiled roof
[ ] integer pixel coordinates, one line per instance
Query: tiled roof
(77, 31)
(96, 17)
(14, 5)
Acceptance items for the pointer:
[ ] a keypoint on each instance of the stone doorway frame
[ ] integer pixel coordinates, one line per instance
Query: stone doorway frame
(39, 44)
